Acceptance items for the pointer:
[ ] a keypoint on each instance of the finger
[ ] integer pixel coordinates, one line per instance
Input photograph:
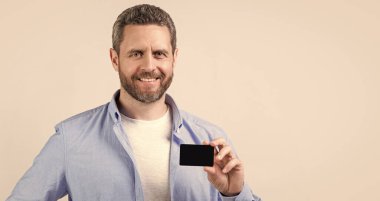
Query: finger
(208, 143)
(219, 163)
(210, 170)
(225, 151)
(218, 142)
(234, 163)
(213, 171)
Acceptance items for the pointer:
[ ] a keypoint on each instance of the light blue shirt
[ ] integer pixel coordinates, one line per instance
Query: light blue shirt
(87, 159)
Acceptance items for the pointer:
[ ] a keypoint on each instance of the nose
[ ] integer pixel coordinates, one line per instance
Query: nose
(148, 63)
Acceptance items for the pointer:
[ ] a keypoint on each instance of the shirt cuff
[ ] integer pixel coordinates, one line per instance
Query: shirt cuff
(244, 195)
(225, 198)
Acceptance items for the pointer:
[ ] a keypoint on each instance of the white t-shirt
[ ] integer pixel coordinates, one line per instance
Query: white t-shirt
(150, 141)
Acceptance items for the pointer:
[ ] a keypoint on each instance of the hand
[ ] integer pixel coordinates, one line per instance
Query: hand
(227, 174)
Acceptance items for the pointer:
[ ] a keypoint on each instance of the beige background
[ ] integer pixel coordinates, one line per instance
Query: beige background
(295, 84)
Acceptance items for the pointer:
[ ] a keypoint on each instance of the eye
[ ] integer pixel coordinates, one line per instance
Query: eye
(159, 55)
(136, 54)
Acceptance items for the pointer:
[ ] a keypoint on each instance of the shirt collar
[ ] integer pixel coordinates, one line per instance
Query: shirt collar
(116, 116)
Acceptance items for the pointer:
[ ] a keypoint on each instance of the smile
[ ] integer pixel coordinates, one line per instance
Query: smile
(148, 79)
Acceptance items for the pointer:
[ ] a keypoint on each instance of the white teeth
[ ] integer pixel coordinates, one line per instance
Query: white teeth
(147, 80)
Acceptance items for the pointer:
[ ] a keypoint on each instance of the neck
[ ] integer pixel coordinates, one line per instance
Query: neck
(135, 109)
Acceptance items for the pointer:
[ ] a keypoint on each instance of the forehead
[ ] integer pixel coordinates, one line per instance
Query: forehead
(142, 36)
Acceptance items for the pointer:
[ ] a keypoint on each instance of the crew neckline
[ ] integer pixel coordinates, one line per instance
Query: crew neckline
(140, 121)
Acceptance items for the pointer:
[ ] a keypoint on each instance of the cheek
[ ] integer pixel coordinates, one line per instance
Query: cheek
(126, 68)
(167, 67)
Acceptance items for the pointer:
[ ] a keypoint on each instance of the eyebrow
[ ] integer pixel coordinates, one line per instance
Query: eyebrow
(135, 50)
(161, 50)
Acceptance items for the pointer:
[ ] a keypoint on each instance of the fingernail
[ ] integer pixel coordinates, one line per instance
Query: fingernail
(224, 171)
(219, 157)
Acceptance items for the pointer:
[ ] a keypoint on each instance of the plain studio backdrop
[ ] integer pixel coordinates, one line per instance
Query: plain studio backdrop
(294, 83)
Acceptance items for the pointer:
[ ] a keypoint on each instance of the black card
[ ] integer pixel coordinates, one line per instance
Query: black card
(196, 155)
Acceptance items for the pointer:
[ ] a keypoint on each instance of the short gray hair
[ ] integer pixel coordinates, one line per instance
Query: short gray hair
(143, 14)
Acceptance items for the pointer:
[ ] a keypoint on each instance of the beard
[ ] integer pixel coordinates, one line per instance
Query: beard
(130, 85)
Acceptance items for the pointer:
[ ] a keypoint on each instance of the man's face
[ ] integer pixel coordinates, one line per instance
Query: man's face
(145, 62)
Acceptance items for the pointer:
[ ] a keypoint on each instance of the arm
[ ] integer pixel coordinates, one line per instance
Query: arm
(45, 180)
(227, 174)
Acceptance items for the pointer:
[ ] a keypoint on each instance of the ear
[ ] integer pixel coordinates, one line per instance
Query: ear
(175, 57)
(114, 59)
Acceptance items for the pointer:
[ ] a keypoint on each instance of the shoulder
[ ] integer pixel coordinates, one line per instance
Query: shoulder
(83, 118)
(196, 120)
(201, 126)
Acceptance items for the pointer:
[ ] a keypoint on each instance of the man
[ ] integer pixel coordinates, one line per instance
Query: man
(128, 149)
